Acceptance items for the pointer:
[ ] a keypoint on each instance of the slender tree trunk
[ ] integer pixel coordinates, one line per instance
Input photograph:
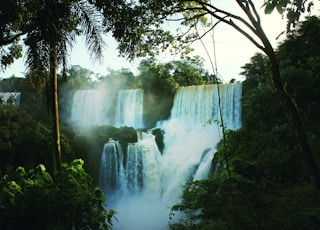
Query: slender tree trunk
(55, 106)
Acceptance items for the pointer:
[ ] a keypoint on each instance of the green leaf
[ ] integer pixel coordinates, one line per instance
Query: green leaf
(41, 167)
(269, 7)
(280, 8)
(64, 165)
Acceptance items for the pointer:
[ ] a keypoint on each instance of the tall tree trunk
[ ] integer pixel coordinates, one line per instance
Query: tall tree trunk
(55, 106)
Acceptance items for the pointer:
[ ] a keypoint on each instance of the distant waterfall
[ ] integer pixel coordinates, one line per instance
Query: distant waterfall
(129, 110)
(100, 107)
(12, 98)
(90, 108)
(154, 181)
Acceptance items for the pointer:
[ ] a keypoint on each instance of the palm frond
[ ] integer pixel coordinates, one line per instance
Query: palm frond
(91, 25)
(64, 46)
(37, 54)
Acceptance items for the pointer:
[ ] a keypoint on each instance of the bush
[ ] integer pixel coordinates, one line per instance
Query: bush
(35, 200)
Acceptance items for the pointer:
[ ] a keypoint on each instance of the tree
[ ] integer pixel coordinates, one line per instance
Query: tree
(189, 71)
(263, 177)
(25, 141)
(293, 9)
(50, 31)
(159, 85)
(119, 79)
(299, 57)
(142, 33)
(11, 17)
(258, 68)
(77, 77)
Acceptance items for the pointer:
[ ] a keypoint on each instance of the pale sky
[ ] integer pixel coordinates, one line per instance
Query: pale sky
(233, 50)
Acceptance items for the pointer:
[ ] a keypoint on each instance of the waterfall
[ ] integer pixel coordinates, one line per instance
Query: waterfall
(137, 203)
(90, 108)
(199, 104)
(12, 98)
(134, 168)
(195, 103)
(141, 172)
(95, 107)
(152, 181)
(129, 109)
(151, 171)
(231, 105)
(112, 176)
(205, 165)
(184, 143)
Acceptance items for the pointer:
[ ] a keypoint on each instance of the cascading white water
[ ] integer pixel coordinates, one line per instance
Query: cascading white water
(195, 103)
(129, 108)
(90, 108)
(142, 169)
(155, 182)
(205, 165)
(199, 104)
(231, 105)
(112, 176)
(10, 98)
(137, 202)
(134, 168)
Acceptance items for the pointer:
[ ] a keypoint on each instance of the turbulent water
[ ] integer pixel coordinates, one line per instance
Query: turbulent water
(143, 185)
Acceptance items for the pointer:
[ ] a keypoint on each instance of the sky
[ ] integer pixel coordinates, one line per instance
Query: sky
(232, 50)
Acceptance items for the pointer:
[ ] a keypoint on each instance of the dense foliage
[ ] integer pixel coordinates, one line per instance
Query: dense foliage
(25, 141)
(33, 199)
(261, 178)
(293, 9)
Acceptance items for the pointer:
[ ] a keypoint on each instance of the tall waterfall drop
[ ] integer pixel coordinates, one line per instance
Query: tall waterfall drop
(129, 108)
(90, 108)
(95, 107)
(143, 184)
(200, 104)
